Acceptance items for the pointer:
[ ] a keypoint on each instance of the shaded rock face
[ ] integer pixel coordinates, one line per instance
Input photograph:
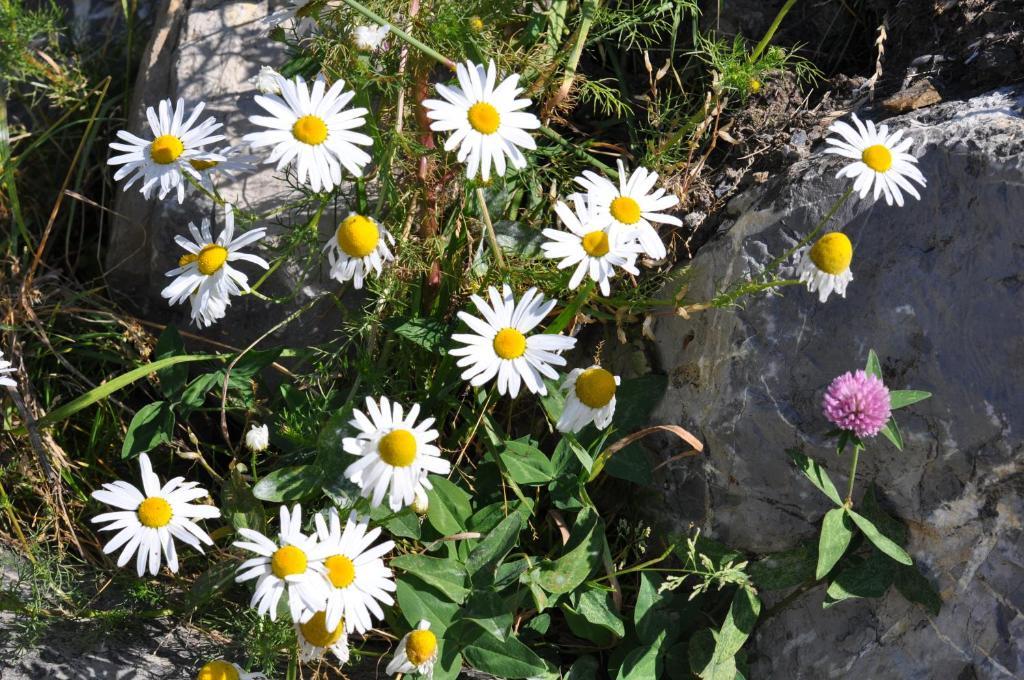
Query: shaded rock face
(937, 292)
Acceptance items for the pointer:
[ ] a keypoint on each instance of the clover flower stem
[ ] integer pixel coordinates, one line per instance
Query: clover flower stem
(853, 475)
(492, 238)
(400, 34)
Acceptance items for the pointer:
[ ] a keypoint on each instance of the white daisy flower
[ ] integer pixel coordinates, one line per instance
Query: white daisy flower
(396, 453)
(880, 159)
(486, 121)
(355, 570)
(359, 246)
(499, 345)
(162, 162)
(294, 565)
(631, 205)
(590, 397)
(316, 639)
(233, 162)
(266, 80)
(301, 14)
(204, 274)
(6, 367)
(257, 439)
(148, 521)
(313, 129)
(593, 244)
(825, 266)
(369, 38)
(225, 670)
(416, 653)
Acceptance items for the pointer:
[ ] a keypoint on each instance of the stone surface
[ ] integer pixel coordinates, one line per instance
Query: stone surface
(937, 293)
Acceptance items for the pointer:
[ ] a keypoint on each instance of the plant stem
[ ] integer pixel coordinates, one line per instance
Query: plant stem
(400, 34)
(771, 30)
(853, 475)
(577, 151)
(822, 223)
(492, 238)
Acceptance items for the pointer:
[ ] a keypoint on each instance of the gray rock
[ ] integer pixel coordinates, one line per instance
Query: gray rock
(937, 293)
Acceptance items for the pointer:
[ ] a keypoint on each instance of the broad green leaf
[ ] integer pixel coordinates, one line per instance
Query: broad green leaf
(814, 472)
(648, 617)
(873, 367)
(630, 464)
(584, 668)
(554, 401)
(507, 658)
(700, 649)
(211, 584)
(152, 425)
(239, 506)
(404, 523)
(865, 578)
(449, 507)
(913, 585)
(172, 378)
(892, 433)
(492, 549)
(879, 539)
(430, 334)
(289, 484)
(194, 395)
(418, 601)
(735, 630)
(785, 569)
(596, 606)
(836, 533)
(890, 527)
(448, 576)
(526, 464)
(582, 555)
(643, 663)
(634, 400)
(253, 362)
(902, 398)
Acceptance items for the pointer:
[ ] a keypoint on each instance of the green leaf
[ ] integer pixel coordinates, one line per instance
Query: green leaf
(211, 584)
(449, 507)
(836, 533)
(194, 395)
(584, 668)
(736, 628)
(582, 555)
(816, 473)
(507, 658)
(785, 569)
(643, 663)
(879, 539)
(902, 398)
(644, 614)
(526, 464)
(172, 378)
(418, 601)
(240, 506)
(700, 649)
(404, 523)
(591, 616)
(873, 366)
(448, 576)
(865, 578)
(554, 401)
(430, 334)
(289, 484)
(913, 585)
(254, 361)
(634, 400)
(152, 425)
(486, 556)
(890, 527)
(892, 433)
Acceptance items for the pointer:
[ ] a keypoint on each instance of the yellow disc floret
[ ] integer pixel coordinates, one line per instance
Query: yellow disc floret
(211, 258)
(397, 448)
(316, 633)
(218, 670)
(420, 647)
(358, 236)
(595, 387)
(340, 570)
(877, 157)
(595, 244)
(509, 343)
(476, 24)
(165, 149)
(755, 85)
(288, 561)
(310, 130)
(832, 253)
(625, 210)
(201, 165)
(154, 512)
(484, 118)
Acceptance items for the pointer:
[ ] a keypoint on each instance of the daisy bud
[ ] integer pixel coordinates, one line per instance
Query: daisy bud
(369, 38)
(257, 439)
(420, 502)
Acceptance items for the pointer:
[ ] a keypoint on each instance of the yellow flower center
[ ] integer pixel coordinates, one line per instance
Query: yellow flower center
(316, 633)
(165, 149)
(476, 24)
(595, 244)
(211, 258)
(595, 387)
(509, 343)
(420, 647)
(340, 570)
(187, 259)
(484, 118)
(877, 157)
(154, 512)
(755, 85)
(288, 561)
(201, 165)
(832, 253)
(218, 670)
(397, 448)
(310, 130)
(625, 210)
(358, 236)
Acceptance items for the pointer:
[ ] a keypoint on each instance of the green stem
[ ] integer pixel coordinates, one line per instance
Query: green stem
(822, 223)
(567, 314)
(853, 475)
(400, 34)
(577, 151)
(771, 30)
(492, 238)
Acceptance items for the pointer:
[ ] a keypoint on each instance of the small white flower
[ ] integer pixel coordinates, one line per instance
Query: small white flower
(298, 12)
(204, 275)
(5, 368)
(162, 162)
(416, 652)
(225, 670)
(420, 502)
(316, 639)
(257, 439)
(233, 162)
(312, 128)
(369, 38)
(294, 565)
(632, 205)
(499, 345)
(880, 160)
(590, 397)
(593, 244)
(396, 454)
(358, 577)
(486, 120)
(267, 81)
(359, 246)
(148, 521)
(825, 266)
